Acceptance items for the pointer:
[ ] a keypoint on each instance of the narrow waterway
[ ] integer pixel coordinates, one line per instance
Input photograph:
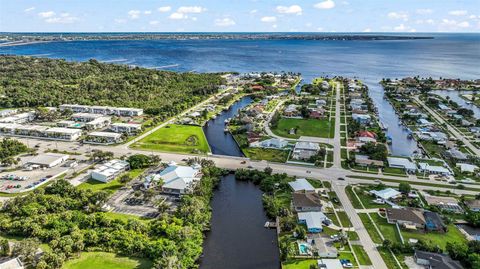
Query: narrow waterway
(221, 142)
(401, 144)
(237, 238)
(456, 97)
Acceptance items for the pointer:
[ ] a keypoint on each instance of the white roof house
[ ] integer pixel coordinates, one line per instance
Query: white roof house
(109, 170)
(301, 184)
(465, 167)
(386, 194)
(103, 138)
(433, 169)
(48, 159)
(307, 146)
(313, 220)
(270, 143)
(178, 179)
(403, 163)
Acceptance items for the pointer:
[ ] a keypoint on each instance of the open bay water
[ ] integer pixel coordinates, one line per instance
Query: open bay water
(238, 239)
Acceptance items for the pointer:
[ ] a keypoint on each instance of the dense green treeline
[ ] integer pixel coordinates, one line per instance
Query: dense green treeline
(10, 148)
(70, 221)
(33, 82)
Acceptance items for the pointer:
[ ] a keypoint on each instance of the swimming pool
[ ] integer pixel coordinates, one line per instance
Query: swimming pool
(303, 248)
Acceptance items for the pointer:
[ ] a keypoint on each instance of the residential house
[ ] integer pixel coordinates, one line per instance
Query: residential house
(467, 168)
(364, 160)
(456, 154)
(403, 163)
(274, 143)
(306, 201)
(444, 202)
(434, 222)
(291, 111)
(434, 169)
(408, 218)
(301, 184)
(362, 118)
(318, 113)
(386, 194)
(305, 150)
(431, 260)
(313, 220)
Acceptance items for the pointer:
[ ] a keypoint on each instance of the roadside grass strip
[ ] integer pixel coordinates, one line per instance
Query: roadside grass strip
(362, 256)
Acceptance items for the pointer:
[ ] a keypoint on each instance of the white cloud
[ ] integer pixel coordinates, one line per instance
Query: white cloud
(398, 15)
(30, 9)
(154, 22)
(134, 14)
(120, 21)
(320, 29)
(453, 24)
(46, 14)
(191, 9)
(177, 16)
(464, 24)
(268, 19)
(293, 9)
(147, 12)
(458, 12)
(63, 18)
(400, 28)
(274, 26)
(253, 11)
(164, 9)
(424, 11)
(367, 30)
(224, 22)
(328, 4)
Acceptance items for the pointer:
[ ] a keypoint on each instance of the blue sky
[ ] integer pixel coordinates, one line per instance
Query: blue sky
(240, 15)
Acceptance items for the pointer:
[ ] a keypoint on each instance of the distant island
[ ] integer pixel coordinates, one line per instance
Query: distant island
(21, 38)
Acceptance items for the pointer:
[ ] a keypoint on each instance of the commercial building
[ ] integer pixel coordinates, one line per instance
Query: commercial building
(19, 118)
(47, 160)
(109, 170)
(70, 124)
(85, 117)
(38, 131)
(98, 123)
(313, 220)
(103, 138)
(386, 194)
(179, 179)
(7, 112)
(129, 128)
(104, 110)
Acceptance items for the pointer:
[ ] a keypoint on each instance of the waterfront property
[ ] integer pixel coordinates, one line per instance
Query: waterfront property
(313, 221)
(306, 201)
(301, 184)
(177, 179)
(435, 260)
(104, 110)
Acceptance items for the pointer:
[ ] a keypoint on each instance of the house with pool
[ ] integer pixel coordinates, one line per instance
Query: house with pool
(313, 220)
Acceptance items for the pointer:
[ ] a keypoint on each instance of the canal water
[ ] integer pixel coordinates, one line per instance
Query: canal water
(401, 144)
(222, 143)
(237, 238)
(456, 97)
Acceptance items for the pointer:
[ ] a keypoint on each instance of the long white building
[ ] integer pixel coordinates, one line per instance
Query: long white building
(39, 131)
(104, 110)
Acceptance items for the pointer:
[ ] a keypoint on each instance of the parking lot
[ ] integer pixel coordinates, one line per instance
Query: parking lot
(21, 180)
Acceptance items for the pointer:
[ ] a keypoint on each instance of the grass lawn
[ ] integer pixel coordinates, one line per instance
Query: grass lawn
(111, 186)
(362, 256)
(367, 200)
(370, 228)
(388, 230)
(176, 138)
(305, 127)
(355, 202)
(298, 264)
(353, 236)
(388, 258)
(440, 239)
(344, 219)
(124, 217)
(272, 155)
(104, 260)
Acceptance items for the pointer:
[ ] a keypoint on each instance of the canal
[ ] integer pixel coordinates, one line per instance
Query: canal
(401, 144)
(457, 98)
(237, 238)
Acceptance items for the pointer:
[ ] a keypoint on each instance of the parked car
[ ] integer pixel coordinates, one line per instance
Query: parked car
(341, 178)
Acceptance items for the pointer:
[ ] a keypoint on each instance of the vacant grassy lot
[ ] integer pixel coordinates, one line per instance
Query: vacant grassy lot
(388, 230)
(176, 138)
(298, 264)
(344, 219)
(111, 186)
(370, 228)
(440, 239)
(272, 155)
(104, 260)
(362, 256)
(305, 127)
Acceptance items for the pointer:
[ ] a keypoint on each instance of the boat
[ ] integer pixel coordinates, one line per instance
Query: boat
(383, 126)
(270, 224)
(389, 140)
(225, 130)
(214, 117)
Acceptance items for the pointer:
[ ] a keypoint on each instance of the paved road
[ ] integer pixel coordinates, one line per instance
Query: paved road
(337, 143)
(454, 131)
(365, 240)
